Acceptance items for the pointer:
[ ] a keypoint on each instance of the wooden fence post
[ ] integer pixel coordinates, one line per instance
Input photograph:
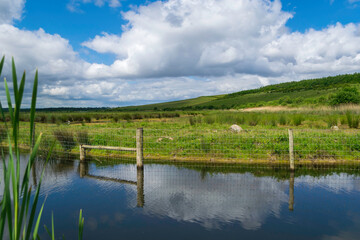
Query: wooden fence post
(139, 148)
(82, 153)
(291, 191)
(140, 187)
(291, 150)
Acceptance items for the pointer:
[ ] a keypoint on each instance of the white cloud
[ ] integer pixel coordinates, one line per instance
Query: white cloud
(11, 10)
(185, 37)
(74, 5)
(179, 49)
(51, 53)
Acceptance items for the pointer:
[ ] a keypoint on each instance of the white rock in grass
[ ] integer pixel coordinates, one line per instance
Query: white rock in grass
(335, 128)
(236, 128)
(162, 138)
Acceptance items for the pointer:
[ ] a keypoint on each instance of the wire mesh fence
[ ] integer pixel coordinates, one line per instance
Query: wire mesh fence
(256, 148)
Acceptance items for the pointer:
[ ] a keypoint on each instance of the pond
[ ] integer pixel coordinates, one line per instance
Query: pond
(165, 201)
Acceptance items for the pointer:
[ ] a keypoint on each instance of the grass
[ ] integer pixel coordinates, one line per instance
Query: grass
(207, 137)
(19, 204)
(314, 92)
(65, 138)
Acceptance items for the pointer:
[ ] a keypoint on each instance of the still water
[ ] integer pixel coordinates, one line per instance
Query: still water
(197, 202)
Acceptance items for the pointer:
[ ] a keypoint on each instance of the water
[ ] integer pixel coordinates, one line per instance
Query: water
(194, 202)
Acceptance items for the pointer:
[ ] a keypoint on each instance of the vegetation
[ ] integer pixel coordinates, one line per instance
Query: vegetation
(315, 92)
(345, 96)
(18, 202)
(65, 138)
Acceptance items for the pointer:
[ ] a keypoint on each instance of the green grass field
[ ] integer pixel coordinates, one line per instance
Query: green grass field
(202, 133)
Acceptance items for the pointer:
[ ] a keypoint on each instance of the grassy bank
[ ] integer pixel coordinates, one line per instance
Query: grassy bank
(206, 136)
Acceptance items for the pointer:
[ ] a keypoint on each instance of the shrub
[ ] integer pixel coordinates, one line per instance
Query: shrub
(332, 121)
(83, 137)
(282, 120)
(87, 119)
(192, 121)
(254, 120)
(297, 120)
(65, 138)
(352, 120)
(346, 95)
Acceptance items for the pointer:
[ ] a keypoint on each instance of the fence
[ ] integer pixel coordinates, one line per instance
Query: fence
(255, 147)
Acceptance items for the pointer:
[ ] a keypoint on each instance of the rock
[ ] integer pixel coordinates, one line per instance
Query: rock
(162, 138)
(335, 128)
(236, 128)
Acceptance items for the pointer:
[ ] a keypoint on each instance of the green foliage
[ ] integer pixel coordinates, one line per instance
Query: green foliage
(18, 206)
(297, 119)
(282, 119)
(332, 120)
(205, 146)
(352, 120)
(312, 92)
(15, 202)
(83, 137)
(2, 133)
(254, 120)
(345, 96)
(65, 138)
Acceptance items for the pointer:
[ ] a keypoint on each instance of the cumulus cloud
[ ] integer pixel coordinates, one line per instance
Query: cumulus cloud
(74, 5)
(11, 10)
(202, 38)
(182, 48)
(51, 53)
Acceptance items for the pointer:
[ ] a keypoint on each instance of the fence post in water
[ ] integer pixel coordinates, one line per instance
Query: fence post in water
(139, 148)
(140, 187)
(82, 153)
(291, 150)
(291, 191)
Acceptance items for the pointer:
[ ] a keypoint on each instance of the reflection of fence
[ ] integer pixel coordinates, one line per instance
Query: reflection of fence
(84, 173)
(254, 146)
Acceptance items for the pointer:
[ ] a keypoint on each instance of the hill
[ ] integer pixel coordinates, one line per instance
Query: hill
(305, 92)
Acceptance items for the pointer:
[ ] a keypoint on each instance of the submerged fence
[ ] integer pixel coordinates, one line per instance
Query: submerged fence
(256, 146)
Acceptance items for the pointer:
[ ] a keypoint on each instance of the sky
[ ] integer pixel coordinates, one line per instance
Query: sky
(110, 53)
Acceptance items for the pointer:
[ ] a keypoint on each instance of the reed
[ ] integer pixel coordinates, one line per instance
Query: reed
(18, 207)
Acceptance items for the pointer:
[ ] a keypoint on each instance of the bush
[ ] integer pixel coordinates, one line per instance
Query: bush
(346, 95)
(83, 137)
(332, 121)
(282, 120)
(192, 121)
(254, 120)
(352, 120)
(65, 138)
(297, 120)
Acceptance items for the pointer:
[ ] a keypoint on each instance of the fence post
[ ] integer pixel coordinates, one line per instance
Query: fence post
(139, 147)
(140, 187)
(291, 150)
(291, 191)
(82, 153)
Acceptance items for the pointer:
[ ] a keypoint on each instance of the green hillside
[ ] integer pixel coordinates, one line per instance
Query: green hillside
(305, 92)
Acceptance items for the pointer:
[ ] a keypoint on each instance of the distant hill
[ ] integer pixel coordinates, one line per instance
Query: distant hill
(305, 92)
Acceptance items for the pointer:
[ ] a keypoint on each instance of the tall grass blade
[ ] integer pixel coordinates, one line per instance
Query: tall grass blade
(9, 102)
(81, 225)
(33, 106)
(2, 64)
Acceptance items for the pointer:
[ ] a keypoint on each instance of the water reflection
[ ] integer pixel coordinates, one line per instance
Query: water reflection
(83, 169)
(205, 198)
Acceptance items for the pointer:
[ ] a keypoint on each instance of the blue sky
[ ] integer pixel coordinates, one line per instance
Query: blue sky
(114, 53)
